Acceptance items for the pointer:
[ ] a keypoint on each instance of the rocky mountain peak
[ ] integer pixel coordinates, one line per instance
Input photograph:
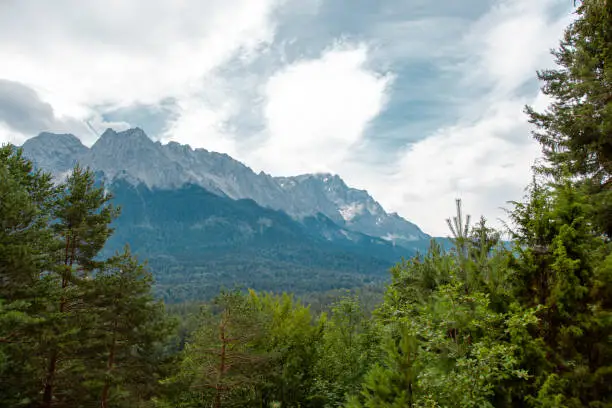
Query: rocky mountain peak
(107, 134)
(132, 156)
(55, 152)
(127, 139)
(64, 139)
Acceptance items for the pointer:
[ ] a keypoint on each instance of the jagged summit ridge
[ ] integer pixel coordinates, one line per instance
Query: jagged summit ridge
(55, 151)
(133, 156)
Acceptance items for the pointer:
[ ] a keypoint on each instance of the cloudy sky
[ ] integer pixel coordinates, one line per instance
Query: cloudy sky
(416, 101)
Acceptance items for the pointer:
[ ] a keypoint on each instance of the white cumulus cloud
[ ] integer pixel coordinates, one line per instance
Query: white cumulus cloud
(317, 110)
(486, 156)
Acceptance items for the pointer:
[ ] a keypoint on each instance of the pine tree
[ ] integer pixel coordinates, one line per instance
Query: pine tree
(130, 327)
(26, 200)
(81, 222)
(460, 229)
(221, 365)
(86, 328)
(288, 342)
(26, 197)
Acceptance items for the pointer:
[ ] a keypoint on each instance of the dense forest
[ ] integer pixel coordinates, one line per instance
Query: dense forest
(197, 242)
(486, 324)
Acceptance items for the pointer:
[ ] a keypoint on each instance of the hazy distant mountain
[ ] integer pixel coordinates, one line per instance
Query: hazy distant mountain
(131, 155)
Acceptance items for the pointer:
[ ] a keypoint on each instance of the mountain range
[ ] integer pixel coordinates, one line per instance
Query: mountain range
(206, 220)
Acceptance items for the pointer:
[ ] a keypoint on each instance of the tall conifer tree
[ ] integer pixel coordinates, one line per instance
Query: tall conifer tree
(81, 222)
(576, 130)
(129, 327)
(26, 198)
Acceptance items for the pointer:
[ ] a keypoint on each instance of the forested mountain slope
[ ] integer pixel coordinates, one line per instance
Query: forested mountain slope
(197, 242)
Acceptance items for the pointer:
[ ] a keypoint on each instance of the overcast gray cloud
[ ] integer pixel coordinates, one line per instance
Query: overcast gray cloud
(415, 101)
(22, 110)
(24, 114)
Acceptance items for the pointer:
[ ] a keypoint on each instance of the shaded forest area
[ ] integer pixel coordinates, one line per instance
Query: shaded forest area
(486, 324)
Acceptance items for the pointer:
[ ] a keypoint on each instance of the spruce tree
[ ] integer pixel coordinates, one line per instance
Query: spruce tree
(576, 130)
(563, 260)
(392, 382)
(562, 270)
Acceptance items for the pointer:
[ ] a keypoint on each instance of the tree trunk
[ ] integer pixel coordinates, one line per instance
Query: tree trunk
(47, 401)
(221, 364)
(109, 367)
(48, 392)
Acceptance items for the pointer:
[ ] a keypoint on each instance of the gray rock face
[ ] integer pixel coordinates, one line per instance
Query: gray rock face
(351, 208)
(132, 156)
(57, 153)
